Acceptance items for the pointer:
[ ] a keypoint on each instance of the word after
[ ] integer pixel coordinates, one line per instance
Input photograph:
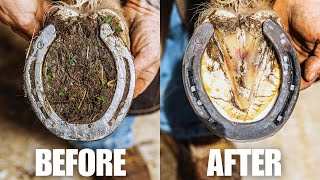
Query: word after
(264, 162)
(61, 162)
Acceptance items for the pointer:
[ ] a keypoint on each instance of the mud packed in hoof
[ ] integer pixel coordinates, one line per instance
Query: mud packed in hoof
(79, 71)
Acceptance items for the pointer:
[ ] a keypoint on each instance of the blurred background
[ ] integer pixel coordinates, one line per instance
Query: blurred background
(21, 132)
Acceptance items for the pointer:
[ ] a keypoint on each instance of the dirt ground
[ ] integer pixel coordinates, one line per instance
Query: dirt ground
(147, 130)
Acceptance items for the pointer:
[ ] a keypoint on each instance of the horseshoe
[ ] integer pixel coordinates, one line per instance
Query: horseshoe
(120, 103)
(208, 114)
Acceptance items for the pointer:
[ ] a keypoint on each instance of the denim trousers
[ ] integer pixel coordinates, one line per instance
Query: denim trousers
(176, 115)
(121, 138)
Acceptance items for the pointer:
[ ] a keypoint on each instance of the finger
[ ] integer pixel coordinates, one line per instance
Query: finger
(145, 36)
(301, 53)
(28, 24)
(141, 8)
(21, 33)
(44, 9)
(6, 19)
(312, 68)
(47, 6)
(145, 79)
(145, 60)
(305, 84)
(147, 76)
(141, 86)
(317, 48)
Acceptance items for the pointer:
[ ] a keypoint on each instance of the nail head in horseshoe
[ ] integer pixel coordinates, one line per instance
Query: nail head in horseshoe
(210, 116)
(120, 103)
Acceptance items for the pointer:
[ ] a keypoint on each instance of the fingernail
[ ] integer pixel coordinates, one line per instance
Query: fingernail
(312, 76)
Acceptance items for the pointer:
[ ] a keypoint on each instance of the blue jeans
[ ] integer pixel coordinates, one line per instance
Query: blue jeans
(176, 115)
(121, 138)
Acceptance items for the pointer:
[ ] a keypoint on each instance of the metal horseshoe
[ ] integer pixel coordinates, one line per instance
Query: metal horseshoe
(120, 103)
(208, 114)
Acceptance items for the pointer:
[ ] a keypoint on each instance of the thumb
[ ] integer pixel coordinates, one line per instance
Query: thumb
(312, 68)
(43, 8)
(46, 6)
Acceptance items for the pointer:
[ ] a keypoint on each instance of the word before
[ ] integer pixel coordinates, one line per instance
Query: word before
(61, 162)
(264, 162)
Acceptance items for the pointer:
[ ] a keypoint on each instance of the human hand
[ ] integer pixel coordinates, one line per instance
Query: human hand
(301, 20)
(23, 16)
(144, 22)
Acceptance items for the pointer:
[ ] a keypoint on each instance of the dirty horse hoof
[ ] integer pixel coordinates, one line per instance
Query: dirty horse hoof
(79, 75)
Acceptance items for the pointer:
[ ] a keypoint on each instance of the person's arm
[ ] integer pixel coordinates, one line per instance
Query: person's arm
(23, 16)
(301, 19)
(144, 21)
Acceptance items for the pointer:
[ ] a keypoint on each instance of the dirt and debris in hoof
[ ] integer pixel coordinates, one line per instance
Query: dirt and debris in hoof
(79, 71)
